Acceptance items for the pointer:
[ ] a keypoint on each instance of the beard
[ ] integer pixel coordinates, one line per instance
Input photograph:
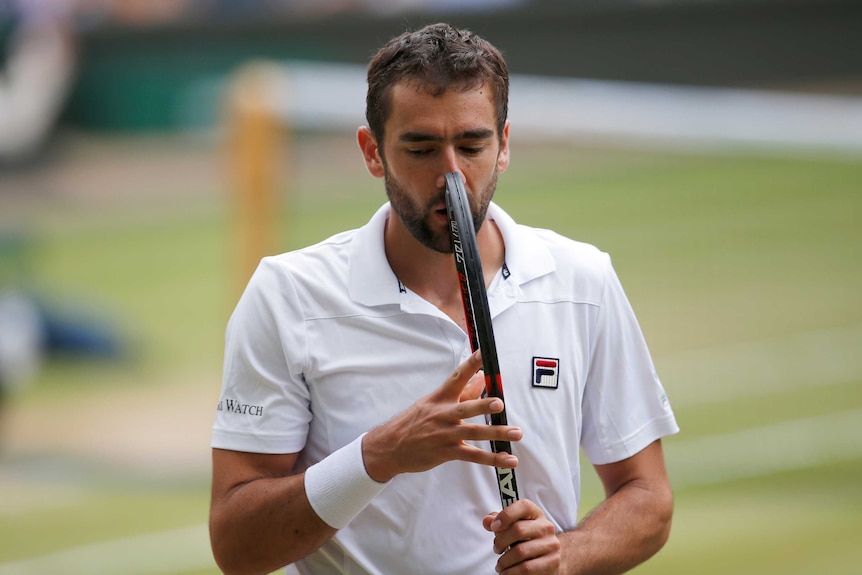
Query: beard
(417, 218)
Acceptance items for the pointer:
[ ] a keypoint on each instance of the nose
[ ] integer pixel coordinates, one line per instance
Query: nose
(449, 165)
(441, 180)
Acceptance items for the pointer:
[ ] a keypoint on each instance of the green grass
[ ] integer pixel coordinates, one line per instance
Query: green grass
(163, 279)
(756, 531)
(714, 251)
(102, 513)
(800, 403)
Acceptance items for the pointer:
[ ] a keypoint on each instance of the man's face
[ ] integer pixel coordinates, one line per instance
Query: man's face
(428, 136)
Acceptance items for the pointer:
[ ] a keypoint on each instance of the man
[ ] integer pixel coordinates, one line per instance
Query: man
(350, 434)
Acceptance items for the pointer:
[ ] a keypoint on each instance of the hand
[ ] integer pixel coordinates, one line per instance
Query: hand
(433, 431)
(526, 539)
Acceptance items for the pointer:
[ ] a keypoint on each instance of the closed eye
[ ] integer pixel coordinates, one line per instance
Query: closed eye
(419, 151)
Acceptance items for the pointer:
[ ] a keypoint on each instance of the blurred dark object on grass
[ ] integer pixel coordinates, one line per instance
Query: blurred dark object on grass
(36, 327)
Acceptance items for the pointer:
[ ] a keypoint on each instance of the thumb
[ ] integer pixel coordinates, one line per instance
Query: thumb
(488, 520)
(454, 386)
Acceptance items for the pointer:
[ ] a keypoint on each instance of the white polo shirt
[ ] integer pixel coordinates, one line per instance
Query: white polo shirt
(326, 344)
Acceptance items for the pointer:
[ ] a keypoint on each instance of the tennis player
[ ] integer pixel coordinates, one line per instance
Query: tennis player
(350, 435)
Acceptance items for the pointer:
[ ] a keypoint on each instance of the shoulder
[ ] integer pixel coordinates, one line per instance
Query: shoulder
(538, 251)
(572, 253)
(327, 264)
(573, 269)
(328, 257)
(295, 280)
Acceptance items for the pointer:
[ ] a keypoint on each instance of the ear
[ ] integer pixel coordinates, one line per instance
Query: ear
(370, 151)
(503, 156)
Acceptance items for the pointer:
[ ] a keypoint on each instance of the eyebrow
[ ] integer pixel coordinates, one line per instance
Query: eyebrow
(476, 134)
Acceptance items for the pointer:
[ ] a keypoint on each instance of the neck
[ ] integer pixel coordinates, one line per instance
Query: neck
(431, 274)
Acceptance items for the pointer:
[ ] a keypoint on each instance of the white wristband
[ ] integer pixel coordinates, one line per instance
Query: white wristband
(339, 487)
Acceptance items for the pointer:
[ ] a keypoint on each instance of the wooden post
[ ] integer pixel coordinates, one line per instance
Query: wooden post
(256, 141)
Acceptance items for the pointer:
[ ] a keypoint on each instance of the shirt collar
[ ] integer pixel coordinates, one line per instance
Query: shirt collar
(527, 256)
(372, 281)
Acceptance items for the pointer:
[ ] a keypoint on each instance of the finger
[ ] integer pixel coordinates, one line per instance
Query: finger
(535, 556)
(454, 384)
(488, 520)
(523, 509)
(474, 387)
(481, 432)
(534, 526)
(472, 454)
(468, 408)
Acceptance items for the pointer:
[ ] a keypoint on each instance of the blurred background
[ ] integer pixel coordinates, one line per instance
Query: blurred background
(152, 151)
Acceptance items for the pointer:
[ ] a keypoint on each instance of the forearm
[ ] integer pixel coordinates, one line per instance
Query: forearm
(625, 530)
(265, 524)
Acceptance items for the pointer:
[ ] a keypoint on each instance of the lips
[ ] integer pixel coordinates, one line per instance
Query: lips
(440, 216)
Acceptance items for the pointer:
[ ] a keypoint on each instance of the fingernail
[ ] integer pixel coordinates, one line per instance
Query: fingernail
(514, 434)
(511, 461)
(495, 525)
(496, 405)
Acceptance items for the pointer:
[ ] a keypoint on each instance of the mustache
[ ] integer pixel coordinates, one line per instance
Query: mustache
(435, 200)
(440, 198)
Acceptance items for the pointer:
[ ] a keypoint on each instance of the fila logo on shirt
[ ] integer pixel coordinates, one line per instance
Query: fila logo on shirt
(546, 372)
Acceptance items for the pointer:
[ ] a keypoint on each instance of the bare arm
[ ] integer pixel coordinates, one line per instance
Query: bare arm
(631, 524)
(260, 516)
(627, 528)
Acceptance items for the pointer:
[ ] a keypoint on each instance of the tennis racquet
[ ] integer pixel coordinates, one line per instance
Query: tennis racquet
(478, 314)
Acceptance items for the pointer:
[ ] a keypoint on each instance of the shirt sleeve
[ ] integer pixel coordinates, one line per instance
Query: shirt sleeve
(625, 407)
(264, 405)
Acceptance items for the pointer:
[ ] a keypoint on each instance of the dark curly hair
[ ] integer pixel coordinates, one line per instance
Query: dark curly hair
(438, 57)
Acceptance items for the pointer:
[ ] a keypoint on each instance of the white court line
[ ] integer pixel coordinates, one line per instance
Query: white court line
(762, 368)
(694, 115)
(786, 446)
